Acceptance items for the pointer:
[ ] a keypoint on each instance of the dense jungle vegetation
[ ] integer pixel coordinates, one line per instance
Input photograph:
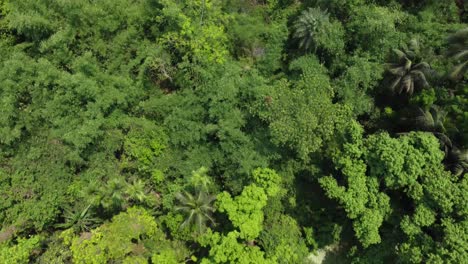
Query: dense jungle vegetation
(233, 131)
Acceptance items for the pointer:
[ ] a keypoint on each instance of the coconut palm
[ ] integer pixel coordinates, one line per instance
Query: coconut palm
(197, 208)
(409, 73)
(458, 50)
(458, 161)
(310, 24)
(433, 120)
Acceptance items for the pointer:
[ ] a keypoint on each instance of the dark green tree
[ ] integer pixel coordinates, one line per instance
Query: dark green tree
(458, 161)
(407, 70)
(458, 51)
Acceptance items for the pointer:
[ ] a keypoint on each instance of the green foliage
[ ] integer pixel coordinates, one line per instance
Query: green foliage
(196, 29)
(20, 252)
(79, 218)
(361, 199)
(385, 175)
(3, 6)
(227, 249)
(300, 113)
(425, 99)
(131, 236)
(208, 126)
(144, 145)
(282, 240)
(458, 161)
(269, 180)
(309, 26)
(245, 210)
(432, 120)
(57, 252)
(33, 189)
(120, 118)
(374, 29)
(358, 80)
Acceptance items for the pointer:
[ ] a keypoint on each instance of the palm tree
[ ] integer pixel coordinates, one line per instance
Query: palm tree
(197, 208)
(408, 73)
(433, 120)
(458, 50)
(311, 23)
(137, 191)
(113, 193)
(458, 161)
(78, 218)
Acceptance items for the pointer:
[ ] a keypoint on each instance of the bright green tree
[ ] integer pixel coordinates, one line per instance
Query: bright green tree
(21, 251)
(131, 237)
(384, 175)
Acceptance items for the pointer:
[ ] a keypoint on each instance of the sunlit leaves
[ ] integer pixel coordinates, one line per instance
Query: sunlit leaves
(131, 235)
(21, 251)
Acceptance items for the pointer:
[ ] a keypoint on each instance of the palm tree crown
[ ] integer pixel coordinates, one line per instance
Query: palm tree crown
(197, 208)
(310, 23)
(432, 120)
(408, 73)
(458, 161)
(458, 50)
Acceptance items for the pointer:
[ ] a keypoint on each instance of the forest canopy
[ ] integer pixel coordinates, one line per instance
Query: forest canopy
(233, 131)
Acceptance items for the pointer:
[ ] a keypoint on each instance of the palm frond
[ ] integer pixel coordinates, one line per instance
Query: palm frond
(407, 75)
(458, 51)
(308, 25)
(459, 70)
(197, 208)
